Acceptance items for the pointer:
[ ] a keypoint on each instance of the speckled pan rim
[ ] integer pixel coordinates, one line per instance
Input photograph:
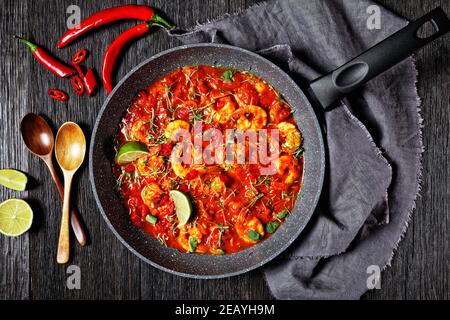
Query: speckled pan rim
(320, 157)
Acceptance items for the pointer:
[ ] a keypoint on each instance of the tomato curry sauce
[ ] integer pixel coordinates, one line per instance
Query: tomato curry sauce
(234, 205)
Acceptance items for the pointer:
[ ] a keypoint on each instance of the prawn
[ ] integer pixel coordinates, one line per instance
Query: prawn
(149, 164)
(252, 117)
(177, 158)
(176, 161)
(290, 135)
(174, 127)
(225, 114)
(288, 168)
(278, 112)
(243, 227)
(261, 86)
(196, 232)
(139, 129)
(218, 186)
(149, 193)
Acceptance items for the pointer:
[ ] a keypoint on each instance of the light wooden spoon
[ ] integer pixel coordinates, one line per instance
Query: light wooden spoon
(70, 148)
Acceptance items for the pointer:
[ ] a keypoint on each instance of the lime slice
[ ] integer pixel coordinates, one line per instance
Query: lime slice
(16, 217)
(13, 179)
(130, 151)
(183, 206)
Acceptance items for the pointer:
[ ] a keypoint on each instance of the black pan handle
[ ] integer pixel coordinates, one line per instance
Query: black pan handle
(333, 86)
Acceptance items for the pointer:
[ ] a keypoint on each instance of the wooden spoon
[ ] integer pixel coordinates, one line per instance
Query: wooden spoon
(70, 148)
(39, 139)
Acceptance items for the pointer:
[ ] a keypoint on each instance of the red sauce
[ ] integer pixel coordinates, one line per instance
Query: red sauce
(235, 206)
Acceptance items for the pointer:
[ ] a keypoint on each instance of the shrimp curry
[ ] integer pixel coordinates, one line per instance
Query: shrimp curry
(234, 205)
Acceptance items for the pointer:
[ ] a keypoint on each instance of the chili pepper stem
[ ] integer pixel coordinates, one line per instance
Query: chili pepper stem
(159, 21)
(28, 43)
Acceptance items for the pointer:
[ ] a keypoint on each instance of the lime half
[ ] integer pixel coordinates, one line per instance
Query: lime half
(13, 179)
(130, 151)
(183, 206)
(16, 217)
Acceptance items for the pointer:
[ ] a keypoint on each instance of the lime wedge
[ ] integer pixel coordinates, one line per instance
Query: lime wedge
(183, 206)
(16, 217)
(13, 179)
(130, 151)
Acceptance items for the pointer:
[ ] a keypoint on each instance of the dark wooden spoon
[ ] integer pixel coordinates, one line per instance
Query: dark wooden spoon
(39, 139)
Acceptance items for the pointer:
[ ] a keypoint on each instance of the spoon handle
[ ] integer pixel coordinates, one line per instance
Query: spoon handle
(75, 220)
(63, 242)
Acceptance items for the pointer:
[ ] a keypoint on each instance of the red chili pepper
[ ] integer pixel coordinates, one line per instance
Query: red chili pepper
(77, 85)
(78, 69)
(90, 82)
(114, 49)
(89, 79)
(138, 12)
(58, 95)
(47, 60)
(79, 56)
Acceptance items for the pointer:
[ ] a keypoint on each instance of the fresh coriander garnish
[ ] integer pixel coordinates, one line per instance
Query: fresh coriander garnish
(227, 76)
(271, 227)
(298, 153)
(284, 195)
(192, 244)
(282, 214)
(252, 234)
(222, 229)
(253, 201)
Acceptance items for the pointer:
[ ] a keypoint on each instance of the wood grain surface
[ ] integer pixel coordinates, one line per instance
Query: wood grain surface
(28, 268)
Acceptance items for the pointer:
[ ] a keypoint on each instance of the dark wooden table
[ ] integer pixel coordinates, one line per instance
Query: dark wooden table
(420, 268)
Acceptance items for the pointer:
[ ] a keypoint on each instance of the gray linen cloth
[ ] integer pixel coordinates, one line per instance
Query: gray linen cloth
(373, 140)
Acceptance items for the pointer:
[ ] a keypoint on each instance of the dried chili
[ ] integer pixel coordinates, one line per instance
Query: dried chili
(138, 12)
(47, 60)
(77, 85)
(114, 49)
(59, 95)
(79, 56)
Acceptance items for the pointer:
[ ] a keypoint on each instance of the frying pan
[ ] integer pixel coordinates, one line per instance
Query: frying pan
(322, 92)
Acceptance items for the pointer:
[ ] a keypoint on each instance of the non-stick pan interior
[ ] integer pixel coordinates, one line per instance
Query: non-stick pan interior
(102, 155)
